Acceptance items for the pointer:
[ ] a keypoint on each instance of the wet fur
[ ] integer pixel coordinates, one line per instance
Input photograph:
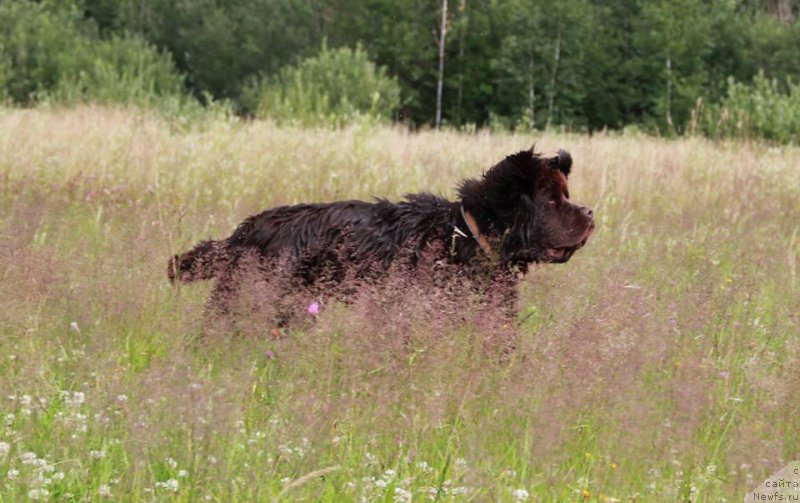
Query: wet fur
(355, 241)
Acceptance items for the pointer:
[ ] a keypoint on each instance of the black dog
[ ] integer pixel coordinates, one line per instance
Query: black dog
(517, 213)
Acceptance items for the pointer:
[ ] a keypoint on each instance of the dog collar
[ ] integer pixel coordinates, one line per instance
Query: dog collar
(472, 225)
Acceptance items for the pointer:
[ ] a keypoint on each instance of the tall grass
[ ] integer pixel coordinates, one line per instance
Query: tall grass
(660, 364)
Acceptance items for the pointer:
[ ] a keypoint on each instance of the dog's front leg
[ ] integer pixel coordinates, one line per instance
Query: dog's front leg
(500, 306)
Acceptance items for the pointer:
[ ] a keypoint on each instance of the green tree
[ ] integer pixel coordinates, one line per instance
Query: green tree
(53, 52)
(334, 87)
(674, 38)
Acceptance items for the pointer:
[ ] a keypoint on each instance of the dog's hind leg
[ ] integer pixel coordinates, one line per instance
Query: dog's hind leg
(219, 315)
(199, 263)
(221, 306)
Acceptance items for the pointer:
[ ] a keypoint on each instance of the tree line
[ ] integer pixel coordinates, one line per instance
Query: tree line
(670, 66)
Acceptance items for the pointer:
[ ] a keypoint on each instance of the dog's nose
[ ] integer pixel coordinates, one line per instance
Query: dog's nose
(587, 212)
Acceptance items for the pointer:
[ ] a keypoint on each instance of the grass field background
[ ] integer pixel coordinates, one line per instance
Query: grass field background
(662, 363)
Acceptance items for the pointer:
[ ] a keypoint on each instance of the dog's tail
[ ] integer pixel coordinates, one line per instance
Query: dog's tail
(199, 263)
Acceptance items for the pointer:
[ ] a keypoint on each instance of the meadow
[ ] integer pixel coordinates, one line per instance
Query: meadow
(662, 363)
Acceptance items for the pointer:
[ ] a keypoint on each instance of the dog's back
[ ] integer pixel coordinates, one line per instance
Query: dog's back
(297, 230)
(366, 232)
(302, 228)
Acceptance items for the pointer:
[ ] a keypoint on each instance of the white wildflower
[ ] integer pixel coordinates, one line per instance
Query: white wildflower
(4, 448)
(58, 476)
(12, 474)
(25, 400)
(433, 492)
(183, 473)
(104, 491)
(10, 418)
(122, 398)
(172, 463)
(28, 458)
(461, 463)
(37, 494)
(97, 454)
(73, 399)
(381, 483)
(521, 495)
(170, 485)
(390, 473)
(401, 495)
(423, 465)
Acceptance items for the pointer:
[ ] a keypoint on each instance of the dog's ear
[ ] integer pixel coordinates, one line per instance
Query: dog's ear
(563, 161)
(499, 189)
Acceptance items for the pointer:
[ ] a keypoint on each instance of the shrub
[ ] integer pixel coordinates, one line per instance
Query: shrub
(54, 54)
(335, 87)
(120, 70)
(765, 109)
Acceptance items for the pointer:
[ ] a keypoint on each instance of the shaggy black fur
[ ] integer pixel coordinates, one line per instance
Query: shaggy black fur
(520, 206)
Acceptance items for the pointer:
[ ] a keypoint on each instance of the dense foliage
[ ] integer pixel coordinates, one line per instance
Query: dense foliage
(761, 109)
(337, 86)
(582, 64)
(55, 54)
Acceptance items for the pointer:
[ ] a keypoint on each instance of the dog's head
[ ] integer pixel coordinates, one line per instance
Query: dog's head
(525, 199)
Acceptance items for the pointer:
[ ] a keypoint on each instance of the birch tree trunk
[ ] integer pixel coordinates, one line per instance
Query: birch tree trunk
(552, 97)
(781, 9)
(531, 93)
(440, 83)
(669, 91)
(461, 33)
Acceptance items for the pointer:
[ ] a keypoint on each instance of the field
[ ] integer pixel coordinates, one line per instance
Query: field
(662, 363)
